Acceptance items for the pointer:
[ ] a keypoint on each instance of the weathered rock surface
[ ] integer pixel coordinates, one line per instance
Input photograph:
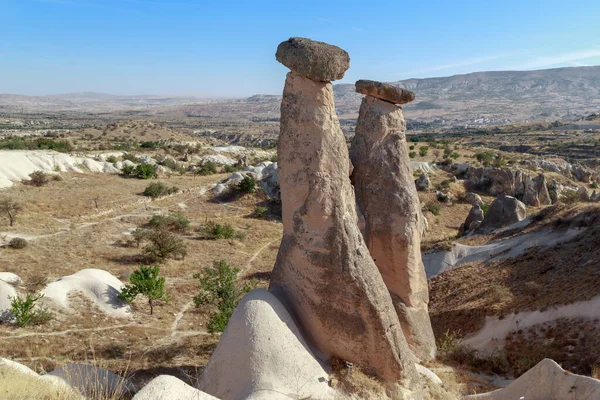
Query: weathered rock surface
(497, 181)
(541, 186)
(473, 199)
(270, 181)
(166, 387)
(384, 91)
(262, 355)
(389, 202)
(422, 183)
(583, 194)
(323, 273)
(475, 215)
(314, 60)
(504, 211)
(8, 282)
(547, 380)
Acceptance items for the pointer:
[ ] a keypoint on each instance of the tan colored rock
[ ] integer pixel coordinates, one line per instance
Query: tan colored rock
(314, 60)
(541, 187)
(504, 211)
(387, 197)
(384, 91)
(324, 274)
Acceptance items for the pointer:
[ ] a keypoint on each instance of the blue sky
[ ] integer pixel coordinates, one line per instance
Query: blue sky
(226, 48)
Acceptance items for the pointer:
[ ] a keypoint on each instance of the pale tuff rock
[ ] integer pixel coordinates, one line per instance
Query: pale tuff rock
(384, 91)
(504, 211)
(94, 381)
(166, 387)
(262, 355)
(324, 274)
(388, 200)
(547, 380)
(314, 60)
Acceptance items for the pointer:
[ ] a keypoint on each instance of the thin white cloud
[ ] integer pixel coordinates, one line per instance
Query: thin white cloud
(458, 64)
(571, 58)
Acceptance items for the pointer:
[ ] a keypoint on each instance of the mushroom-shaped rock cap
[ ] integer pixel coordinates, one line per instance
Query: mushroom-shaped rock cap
(314, 60)
(385, 91)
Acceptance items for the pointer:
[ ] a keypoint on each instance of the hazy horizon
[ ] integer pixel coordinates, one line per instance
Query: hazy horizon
(226, 50)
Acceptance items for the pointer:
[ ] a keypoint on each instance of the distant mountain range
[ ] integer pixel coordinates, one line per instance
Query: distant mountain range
(479, 98)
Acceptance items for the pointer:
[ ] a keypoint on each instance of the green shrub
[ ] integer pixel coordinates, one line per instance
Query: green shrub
(162, 244)
(146, 282)
(485, 208)
(38, 178)
(144, 171)
(207, 168)
(423, 150)
(434, 209)
(260, 212)
(17, 243)
(594, 185)
(214, 231)
(247, 185)
(220, 288)
(111, 159)
(230, 169)
(411, 147)
(158, 189)
(128, 169)
(454, 155)
(173, 222)
(150, 145)
(23, 313)
(412, 154)
(19, 143)
(443, 185)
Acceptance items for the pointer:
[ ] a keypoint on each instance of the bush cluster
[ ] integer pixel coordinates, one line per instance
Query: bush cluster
(158, 189)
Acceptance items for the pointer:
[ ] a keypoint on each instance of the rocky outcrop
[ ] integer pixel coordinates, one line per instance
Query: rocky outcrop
(422, 183)
(546, 380)
(165, 387)
(313, 60)
(583, 194)
(496, 181)
(473, 199)
(388, 200)
(583, 174)
(324, 274)
(384, 91)
(263, 351)
(475, 215)
(504, 211)
(541, 187)
(270, 182)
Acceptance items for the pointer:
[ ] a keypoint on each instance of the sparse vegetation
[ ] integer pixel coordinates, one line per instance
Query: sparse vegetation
(207, 168)
(19, 143)
(173, 222)
(38, 178)
(412, 154)
(569, 197)
(24, 313)
(17, 243)
(158, 189)
(221, 289)
(216, 231)
(11, 208)
(163, 244)
(423, 150)
(147, 282)
(433, 208)
(260, 212)
(247, 185)
(144, 171)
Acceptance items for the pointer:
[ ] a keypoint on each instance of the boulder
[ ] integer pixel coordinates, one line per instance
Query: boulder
(243, 162)
(314, 60)
(262, 355)
(583, 194)
(384, 91)
(423, 182)
(94, 381)
(553, 190)
(443, 197)
(582, 174)
(546, 380)
(165, 387)
(530, 196)
(473, 199)
(475, 215)
(504, 210)
(497, 181)
(270, 181)
(324, 274)
(388, 200)
(595, 197)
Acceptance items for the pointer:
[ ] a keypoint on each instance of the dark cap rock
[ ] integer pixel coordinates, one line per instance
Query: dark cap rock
(314, 60)
(385, 91)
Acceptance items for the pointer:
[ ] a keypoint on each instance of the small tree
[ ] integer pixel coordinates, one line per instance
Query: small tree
(146, 282)
(38, 178)
(23, 313)
(423, 150)
(247, 185)
(163, 245)
(220, 287)
(144, 171)
(11, 208)
(207, 168)
(17, 243)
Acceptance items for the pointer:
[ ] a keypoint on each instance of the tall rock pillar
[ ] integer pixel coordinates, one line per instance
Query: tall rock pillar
(388, 200)
(323, 272)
